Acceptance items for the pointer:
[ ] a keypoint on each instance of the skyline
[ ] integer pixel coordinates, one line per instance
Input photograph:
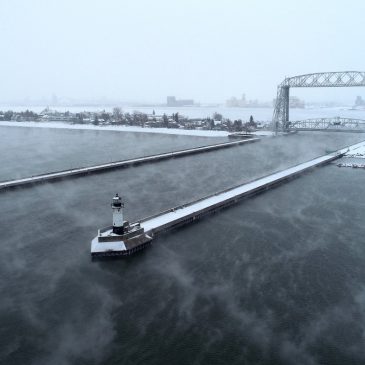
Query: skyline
(137, 51)
(60, 101)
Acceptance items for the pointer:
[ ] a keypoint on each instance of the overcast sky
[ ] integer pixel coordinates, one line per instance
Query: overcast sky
(144, 50)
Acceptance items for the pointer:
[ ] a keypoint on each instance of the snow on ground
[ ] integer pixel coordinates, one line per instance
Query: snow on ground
(119, 128)
(358, 152)
(264, 133)
(97, 246)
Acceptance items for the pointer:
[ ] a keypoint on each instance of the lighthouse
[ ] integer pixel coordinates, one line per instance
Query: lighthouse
(122, 238)
(117, 207)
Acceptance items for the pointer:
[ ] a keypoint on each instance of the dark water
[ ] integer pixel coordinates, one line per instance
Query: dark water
(32, 151)
(277, 279)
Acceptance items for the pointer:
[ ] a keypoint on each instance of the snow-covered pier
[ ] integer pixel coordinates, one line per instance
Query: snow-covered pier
(58, 175)
(354, 158)
(187, 213)
(353, 165)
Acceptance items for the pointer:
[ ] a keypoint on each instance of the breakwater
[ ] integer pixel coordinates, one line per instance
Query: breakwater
(64, 174)
(190, 212)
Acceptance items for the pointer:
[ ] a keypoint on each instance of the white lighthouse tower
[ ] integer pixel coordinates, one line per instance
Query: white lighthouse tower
(117, 207)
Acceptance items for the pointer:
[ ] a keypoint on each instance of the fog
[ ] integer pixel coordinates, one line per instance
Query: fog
(276, 279)
(144, 50)
(268, 280)
(31, 151)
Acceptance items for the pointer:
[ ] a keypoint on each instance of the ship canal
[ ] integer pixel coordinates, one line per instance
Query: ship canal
(279, 276)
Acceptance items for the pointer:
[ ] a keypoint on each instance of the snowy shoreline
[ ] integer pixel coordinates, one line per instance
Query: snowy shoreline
(131, 129)
(119, 128)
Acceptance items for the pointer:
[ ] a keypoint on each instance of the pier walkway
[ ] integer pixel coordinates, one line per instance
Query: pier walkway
(187, 213)
(58, 175)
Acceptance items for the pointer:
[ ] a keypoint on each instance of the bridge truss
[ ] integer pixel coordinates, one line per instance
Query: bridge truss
(338, 124)
(323, 79)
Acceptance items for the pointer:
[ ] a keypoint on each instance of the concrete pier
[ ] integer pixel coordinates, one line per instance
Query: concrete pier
(184, 214)
(58, 175)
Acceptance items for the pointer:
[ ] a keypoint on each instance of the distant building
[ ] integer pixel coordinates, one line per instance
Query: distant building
(172, 101)
(54, 99)
(294, 102)
(359, 101)
(233, 102)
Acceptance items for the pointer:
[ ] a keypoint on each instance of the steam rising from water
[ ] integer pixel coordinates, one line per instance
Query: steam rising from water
(276, 278)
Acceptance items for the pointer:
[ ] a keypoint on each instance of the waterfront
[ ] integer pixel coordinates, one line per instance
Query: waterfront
(276, 279)
(259, 114)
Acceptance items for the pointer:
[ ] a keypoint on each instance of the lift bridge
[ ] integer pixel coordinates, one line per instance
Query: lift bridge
(322, 79)
(336, 124)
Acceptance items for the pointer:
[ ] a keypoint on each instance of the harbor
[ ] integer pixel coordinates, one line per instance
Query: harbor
(193, 211)
(58, 175)
(246, 252)
(140, 221)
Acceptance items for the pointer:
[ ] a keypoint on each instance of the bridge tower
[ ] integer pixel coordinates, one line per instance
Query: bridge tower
(281, 111)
